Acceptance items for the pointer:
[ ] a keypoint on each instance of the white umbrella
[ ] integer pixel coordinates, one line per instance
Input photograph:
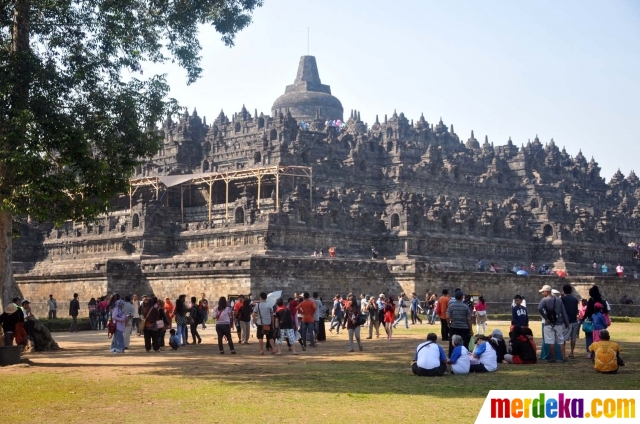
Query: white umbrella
(272, 297)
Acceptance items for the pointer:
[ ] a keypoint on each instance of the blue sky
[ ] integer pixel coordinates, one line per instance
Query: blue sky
(565, 70)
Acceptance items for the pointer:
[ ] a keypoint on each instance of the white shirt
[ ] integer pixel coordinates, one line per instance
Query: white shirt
(619, 268)
(428, 356)
(463, 363)
(489, 357)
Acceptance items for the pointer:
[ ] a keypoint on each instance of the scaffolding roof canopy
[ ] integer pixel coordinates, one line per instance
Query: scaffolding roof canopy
(209, 177)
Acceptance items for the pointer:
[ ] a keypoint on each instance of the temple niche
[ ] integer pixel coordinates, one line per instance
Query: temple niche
(309, 175)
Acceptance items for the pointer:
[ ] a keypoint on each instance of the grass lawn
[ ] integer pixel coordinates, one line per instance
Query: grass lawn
(84, 382)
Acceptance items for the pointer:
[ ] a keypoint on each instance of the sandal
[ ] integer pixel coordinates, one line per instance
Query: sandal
(278, 354)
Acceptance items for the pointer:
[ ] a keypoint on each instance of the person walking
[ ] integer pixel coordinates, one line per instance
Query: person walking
(150, 331)
(481, 315)
(322, 334)
(53, 307)
(236, 316)
(402, 312)
(284, 324)
(244, 319)
(224, 319)
(118, 316)
(374, 317)
(129, 311)
(389, 316)
(93, 313)
(441, 310)
(203, 306)
(415, 307)
(337, 312)
(458, 319)
(308, 310)
(135, 322)
(181, 320)
(196, 316)
(351, 322)
(262, 314)
(316, 317)
(571, 307)
(74, 309)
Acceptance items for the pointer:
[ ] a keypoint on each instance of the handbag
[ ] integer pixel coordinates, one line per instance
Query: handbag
(159, 324)
(587, 326)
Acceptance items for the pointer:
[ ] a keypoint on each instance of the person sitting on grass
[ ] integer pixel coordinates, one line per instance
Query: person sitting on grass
(174, 340)
(523, 347)
(605, 354)
(429, 360)
(484, 358)
(498, 344)
(459, 360)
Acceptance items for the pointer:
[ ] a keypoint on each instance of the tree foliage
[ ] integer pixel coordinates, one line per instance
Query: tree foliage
(77, 113)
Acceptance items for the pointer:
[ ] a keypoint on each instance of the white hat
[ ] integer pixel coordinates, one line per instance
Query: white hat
(10, 308)
(381, 295)
(545, 288)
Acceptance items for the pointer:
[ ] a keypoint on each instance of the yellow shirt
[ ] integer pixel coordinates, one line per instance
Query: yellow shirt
(605, 355)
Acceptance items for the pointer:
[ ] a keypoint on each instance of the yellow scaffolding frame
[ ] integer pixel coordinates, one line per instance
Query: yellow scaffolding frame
(241, 174)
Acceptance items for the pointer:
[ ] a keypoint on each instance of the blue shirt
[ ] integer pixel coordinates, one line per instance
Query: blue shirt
(414, 304)
(174, 339)
(519, 316)
(598, 321)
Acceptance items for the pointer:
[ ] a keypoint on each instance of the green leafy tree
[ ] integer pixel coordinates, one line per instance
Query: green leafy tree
(73, 120)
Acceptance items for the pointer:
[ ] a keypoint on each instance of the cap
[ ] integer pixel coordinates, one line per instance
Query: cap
(545, 288)
(381, 295)
(25, 301)
(459, 295)
(598, 305)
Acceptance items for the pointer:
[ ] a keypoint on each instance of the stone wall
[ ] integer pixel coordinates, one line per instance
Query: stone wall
(170, 277)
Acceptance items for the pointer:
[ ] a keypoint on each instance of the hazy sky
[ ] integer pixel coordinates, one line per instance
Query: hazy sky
(566, 70)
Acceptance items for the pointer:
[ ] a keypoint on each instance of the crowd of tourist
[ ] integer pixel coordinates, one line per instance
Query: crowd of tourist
(301, 321)
(562, 318)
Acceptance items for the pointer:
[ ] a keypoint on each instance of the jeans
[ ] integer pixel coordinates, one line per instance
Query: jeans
(194, 332)
(433, 316)
(415, 317)
(305, 329)
(588, 337)
(52, 314)
(74, 324)
(224, 330)
(336, 321)
(151, 340)
(406, 320)
(104, 319)
(93, 321)
(205, 317)
(354, 332)
(245, 331)
(181, 332)
(117, 345)
(316, 331)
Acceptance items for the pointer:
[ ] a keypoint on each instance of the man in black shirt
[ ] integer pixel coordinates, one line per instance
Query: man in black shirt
(74, 308)
(571, 308)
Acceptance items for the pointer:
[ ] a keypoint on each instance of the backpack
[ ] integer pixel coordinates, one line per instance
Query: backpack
(552, 315)
(111, 328)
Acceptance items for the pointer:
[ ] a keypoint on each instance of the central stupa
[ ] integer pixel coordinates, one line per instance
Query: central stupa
(307, 95)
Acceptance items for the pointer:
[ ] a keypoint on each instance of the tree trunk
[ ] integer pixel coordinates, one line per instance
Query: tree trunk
(19, 101)
(9, 288)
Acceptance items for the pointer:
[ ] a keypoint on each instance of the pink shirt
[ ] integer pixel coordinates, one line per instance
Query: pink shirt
(481, 306)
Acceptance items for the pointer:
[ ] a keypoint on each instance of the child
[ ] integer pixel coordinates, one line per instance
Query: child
(174, 341)
(599, 322)
(519, 317)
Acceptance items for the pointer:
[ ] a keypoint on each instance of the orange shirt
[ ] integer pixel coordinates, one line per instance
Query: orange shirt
(443, 304)
(308, 308)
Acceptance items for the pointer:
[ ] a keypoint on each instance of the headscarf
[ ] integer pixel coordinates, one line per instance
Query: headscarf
(168, 307)
(496, 334)
(119, 303)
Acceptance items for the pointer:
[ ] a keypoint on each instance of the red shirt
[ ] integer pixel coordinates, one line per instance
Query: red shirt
(390, 314)
(308, 308)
